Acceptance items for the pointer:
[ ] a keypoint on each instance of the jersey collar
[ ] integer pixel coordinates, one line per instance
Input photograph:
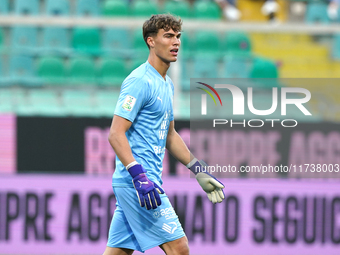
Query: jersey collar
(154, 71)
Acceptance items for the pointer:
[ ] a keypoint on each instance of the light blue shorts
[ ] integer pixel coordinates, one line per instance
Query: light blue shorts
(133, 227)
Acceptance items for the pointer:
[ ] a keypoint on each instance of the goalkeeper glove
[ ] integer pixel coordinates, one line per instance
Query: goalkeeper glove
(209, 183)
(147, 191)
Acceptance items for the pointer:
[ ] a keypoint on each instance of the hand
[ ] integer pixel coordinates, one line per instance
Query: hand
(147, 191)
(209, 183)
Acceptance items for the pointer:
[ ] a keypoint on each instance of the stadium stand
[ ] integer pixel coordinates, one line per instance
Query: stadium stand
(24, 7)
(336, 47)
(87, 40)
(42, 103)
(82, 71)
(88, 8)
(115, 8)
(236, 41)
(112, 72)
(4, 7)
(22, 70)
(117, 42)
(179, 8)
(25, 40)
(207, 43)
(77, 102)
(56, 41)
(143, 8)
(317, 12)
(51, 70)
(206, 10)
(67, 55)
(56, 8)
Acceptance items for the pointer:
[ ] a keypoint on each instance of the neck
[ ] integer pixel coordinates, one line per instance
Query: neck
(161, 66)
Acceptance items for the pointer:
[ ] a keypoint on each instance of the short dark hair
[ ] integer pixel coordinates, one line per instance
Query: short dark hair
(160, 21)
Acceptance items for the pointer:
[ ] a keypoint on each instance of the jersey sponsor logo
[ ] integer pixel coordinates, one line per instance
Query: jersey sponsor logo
(162, 134)
(157, 214)
(170, 227)
(129, 103)
(159, 149)
(168, 213)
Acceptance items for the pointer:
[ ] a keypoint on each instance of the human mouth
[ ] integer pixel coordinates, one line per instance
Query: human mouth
(174, 52)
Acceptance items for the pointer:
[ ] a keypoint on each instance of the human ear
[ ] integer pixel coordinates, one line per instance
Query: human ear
(151, 42)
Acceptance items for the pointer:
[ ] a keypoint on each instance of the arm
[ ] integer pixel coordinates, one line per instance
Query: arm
(147, 191)
(176, 146)
(118, 140)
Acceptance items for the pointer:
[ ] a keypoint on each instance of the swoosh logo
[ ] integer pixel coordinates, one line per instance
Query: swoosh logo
(209, 93)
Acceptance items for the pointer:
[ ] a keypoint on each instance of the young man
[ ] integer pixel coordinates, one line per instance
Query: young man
(142, 127)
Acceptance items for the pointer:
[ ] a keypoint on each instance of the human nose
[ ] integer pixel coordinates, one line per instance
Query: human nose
(177, 41)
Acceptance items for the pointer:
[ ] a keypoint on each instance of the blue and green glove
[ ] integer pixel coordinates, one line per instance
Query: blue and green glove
(147, 191)
(212, 186)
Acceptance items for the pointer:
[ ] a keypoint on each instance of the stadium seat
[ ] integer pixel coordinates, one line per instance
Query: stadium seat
(143, 8)
(2, 39)
(87, 40)
(237, 65)
(139, 46)
(51, 70)
(316, 12)
(43, 102)
(262, 70)
(88, 7)
(187, 72)
(82, 71)
(24, 7)
(57, 8)
(22, 70)
(24, 39)
(115, 8)
(4, 82)
(112, 72)
(56, 40)
(135, 64)
(178, 8)
(336, 47)
(187, 45)
(105, 102)
(201, 67)
(205, 67)
(78, 102)
(207, 43)
(4, 7)
(236, 42)
(206, 10)
(117, 41)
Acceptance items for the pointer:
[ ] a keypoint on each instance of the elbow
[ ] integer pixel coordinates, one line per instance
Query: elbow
(112, 137)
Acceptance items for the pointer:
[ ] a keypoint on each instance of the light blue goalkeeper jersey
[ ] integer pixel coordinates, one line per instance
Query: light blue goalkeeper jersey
(145, 99)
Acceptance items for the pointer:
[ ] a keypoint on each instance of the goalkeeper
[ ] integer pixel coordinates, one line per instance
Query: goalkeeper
(142, 127)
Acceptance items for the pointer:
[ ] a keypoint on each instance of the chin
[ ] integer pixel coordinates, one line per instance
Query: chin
(174, 60)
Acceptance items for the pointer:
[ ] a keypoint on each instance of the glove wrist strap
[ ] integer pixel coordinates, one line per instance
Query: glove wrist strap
(136, 170)
(131, 164)
(198, 167)
(192, 162)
